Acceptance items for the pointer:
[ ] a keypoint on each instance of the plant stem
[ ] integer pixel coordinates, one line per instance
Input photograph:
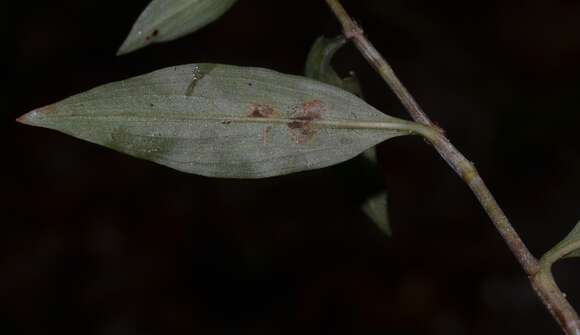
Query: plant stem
(545, 287)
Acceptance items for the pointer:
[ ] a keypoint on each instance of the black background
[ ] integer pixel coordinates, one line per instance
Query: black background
(95, 242)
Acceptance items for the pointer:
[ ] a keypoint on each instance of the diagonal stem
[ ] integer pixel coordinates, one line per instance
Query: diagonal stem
(546, 289)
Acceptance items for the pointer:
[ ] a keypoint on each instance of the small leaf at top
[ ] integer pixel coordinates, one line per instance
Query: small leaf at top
(166, 20)
(376, 209)
(318, 64)
(225, 121)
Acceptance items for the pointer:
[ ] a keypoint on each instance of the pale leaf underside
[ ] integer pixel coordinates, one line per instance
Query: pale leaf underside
(224, 121)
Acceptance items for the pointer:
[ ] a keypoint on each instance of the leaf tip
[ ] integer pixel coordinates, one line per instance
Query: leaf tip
(30, 117)
(133, 42)
(125, 48)
(22, 118)
(120, 52)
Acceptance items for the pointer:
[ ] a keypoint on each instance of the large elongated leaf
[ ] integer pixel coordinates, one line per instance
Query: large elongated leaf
(166, 20)
(224, 121)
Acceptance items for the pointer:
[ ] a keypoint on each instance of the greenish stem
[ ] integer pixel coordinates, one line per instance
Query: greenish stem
(542, 281)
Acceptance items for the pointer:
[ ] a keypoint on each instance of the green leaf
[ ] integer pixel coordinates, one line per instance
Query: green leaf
(225, 121)
(166, 20)
(318, 64)
(376, 209)
(568, 247)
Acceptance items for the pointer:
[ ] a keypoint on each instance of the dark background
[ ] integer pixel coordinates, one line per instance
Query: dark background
(95, 242)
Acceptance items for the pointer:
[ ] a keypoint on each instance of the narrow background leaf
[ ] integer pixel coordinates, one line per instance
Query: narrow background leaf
(166, 20)
(224, 121)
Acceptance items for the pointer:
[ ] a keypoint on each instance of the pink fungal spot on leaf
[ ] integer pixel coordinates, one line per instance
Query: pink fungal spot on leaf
(302, 117)
(264, 111)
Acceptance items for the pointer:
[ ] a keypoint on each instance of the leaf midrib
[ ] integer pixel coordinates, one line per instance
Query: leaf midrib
(400, 126)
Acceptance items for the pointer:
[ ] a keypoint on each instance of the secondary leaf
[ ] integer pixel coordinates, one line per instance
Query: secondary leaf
(568, 247)
(224, 121)
(318, 64)
(319, 67)
(376, 209)
(166, 20)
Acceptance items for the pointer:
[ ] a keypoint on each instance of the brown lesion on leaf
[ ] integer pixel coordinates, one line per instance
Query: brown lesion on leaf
(302, 116)
(153, 34)
(263, 111)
